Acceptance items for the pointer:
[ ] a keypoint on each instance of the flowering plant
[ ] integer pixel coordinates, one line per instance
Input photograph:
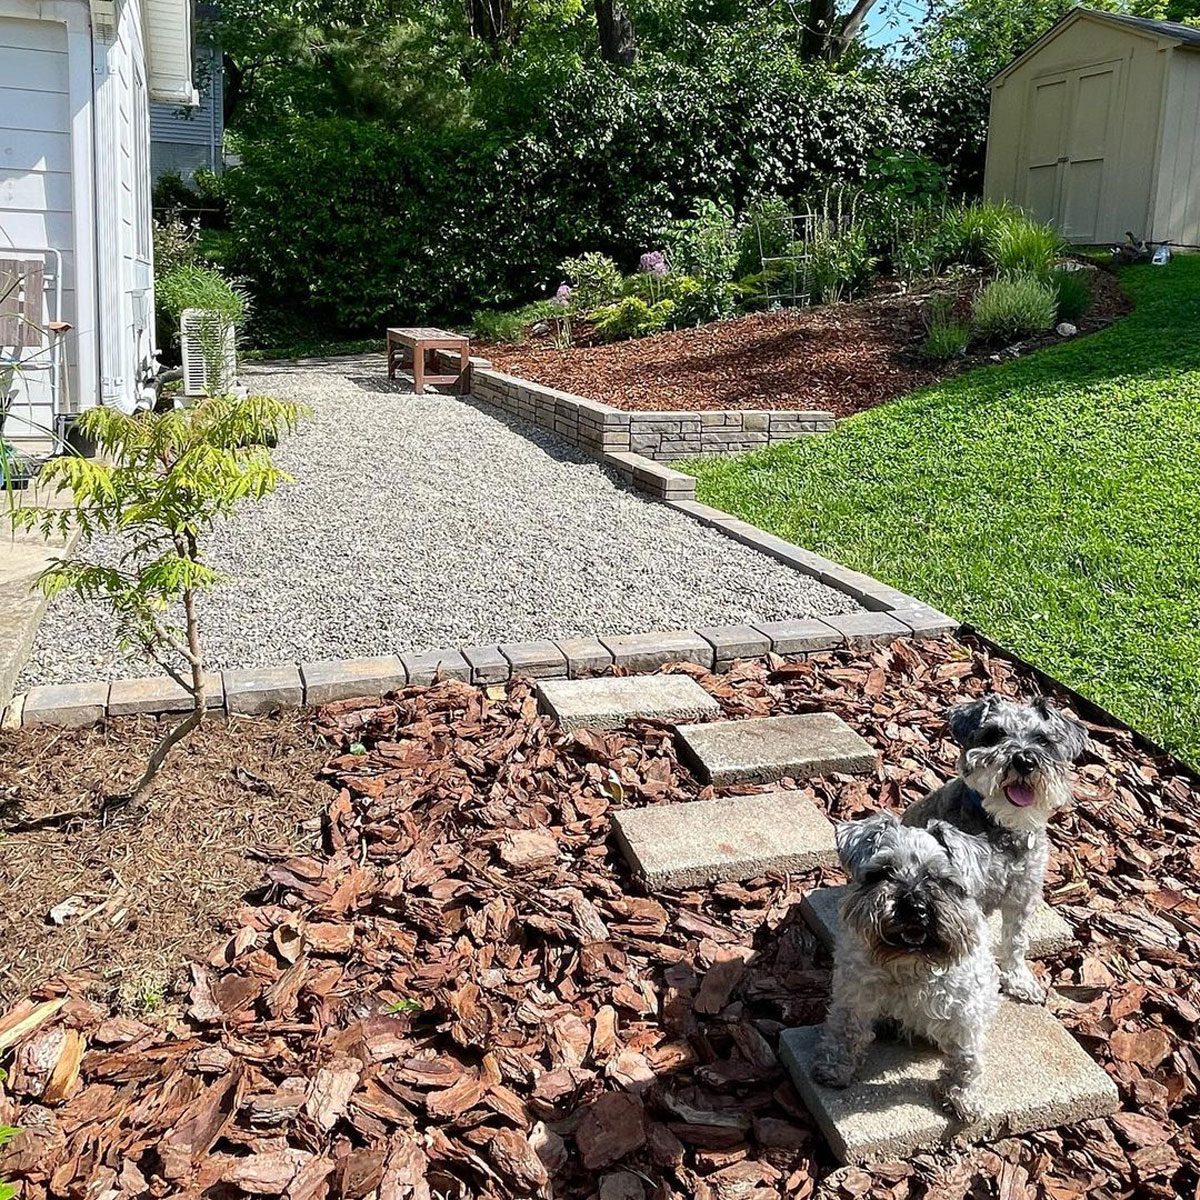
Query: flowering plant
(653, 262)
(562, 298)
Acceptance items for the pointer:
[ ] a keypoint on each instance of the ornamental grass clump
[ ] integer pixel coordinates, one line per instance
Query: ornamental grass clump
(162, 481)
(946, 336)
(1007, 309)
(1021, 247)
(1072, 291)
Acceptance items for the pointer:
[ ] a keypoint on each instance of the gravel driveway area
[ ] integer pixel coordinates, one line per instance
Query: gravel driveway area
(416, 522)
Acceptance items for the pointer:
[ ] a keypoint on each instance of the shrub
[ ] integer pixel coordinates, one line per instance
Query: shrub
(176, 243)
(164, 481)
(1019, 246)
(1011, 308)
(967, 230)
(1073, 293)
(704, 245)
(840, 262)
(200, 287)
(946, 336)
(594, 280)
(632, 317)
(494, 326)
(766, 230)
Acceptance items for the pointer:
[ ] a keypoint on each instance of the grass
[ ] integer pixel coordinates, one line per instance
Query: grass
(1053, 502)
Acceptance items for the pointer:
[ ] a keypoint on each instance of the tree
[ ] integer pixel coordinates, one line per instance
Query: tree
(826, 34)
(161, 482)
(615, 29)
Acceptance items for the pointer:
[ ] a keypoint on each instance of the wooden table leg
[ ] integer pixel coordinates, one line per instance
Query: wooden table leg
(391, 357)
(418, 369)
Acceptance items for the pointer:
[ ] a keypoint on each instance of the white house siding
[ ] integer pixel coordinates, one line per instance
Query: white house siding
(36, 177)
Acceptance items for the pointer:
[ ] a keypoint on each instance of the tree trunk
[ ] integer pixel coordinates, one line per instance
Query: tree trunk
(826, 37)
(618, 45)
(198, 689)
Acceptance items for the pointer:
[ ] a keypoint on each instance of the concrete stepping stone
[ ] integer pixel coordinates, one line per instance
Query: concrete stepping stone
(608, 701)
(1049, 933)
(767, 749)
(1036, 1076)
(734, 838)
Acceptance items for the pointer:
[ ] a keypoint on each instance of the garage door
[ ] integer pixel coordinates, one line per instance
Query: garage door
(1069, 142)
(35, 186)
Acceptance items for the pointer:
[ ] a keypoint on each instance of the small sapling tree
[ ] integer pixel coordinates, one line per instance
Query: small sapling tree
(159, 482)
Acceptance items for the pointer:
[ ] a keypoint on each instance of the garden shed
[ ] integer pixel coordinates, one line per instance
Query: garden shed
(1096, 129)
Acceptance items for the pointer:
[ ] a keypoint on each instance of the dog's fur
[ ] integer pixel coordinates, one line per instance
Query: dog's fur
(912, 947)
(1008, 749)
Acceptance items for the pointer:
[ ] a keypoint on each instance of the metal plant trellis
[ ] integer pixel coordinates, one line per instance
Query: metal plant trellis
(785, 255)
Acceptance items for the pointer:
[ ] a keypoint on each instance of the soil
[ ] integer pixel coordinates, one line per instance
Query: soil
(462, 993)
(142, 888)
(842, 358)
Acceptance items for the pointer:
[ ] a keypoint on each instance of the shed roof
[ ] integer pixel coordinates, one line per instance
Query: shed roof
(1181, 35)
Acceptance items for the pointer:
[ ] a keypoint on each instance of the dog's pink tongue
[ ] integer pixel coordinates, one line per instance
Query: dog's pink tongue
(1020, 794)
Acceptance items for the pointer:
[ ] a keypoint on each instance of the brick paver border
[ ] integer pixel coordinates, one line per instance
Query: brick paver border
(254, 690)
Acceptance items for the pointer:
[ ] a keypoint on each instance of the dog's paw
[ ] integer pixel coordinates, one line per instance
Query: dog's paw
(962, 1101)
(833, 1074)
(1021, 984)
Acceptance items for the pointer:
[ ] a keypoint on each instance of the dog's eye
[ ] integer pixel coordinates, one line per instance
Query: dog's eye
(990, 735)
(873, 875)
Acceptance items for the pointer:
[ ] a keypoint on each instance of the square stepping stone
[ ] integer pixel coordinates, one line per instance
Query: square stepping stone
(608, 701)
(1036, 1076)
(766, 749)
(1049, 933)
(734, 838)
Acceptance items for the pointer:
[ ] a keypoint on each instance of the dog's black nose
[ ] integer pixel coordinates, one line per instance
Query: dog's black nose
(1024, 761)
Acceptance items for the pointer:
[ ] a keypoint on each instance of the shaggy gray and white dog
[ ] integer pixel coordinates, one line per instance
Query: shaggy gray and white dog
(911, 947)
(1014, 772)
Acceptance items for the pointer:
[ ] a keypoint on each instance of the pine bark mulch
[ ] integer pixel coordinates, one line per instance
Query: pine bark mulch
(842, 358)
(463, 994)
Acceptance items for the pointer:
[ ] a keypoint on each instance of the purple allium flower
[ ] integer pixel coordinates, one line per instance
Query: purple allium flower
(563, 296)
(653, 262)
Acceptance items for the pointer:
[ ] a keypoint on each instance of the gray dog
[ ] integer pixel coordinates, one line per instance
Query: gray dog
(911, 947)
(1014, 772)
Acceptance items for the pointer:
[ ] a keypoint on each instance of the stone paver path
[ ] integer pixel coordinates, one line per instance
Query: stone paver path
(1036, 1076)
(1049, 932)
(426, 521)
(736, 838)
(767, 749)
(609, 701)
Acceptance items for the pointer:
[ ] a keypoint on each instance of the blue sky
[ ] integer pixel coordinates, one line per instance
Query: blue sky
(892, 20)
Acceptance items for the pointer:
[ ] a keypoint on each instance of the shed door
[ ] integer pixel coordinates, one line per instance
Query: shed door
(1068, 142)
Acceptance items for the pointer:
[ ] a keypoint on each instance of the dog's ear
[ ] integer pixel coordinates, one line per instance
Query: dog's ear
(966, 719)
(1068, 732)
(968, 855)
(857, 841)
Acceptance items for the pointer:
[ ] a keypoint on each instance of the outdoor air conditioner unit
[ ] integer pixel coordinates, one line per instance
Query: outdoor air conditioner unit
(209, 350)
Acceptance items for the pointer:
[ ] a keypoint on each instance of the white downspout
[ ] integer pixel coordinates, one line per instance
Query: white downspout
(115, 390)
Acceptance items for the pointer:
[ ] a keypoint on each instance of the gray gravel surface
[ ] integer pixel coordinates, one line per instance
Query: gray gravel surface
(417, 522)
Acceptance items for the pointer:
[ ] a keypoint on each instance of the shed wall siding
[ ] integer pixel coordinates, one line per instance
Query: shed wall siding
(1132, 146)
(1177, 199)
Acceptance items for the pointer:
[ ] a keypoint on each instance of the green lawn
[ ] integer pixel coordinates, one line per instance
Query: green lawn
(1053, 502)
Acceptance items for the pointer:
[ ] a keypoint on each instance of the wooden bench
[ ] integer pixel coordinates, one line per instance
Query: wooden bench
(407, 350)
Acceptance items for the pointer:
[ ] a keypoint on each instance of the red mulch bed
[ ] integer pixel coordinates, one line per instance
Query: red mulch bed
(842, 358)
(464, 995)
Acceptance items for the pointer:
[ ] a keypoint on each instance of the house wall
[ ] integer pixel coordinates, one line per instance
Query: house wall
(186, 138)
(1131, 126)
(46, 187)
(1177, 197)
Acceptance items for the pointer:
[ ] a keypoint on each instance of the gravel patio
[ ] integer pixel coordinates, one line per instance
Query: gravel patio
(418, 522)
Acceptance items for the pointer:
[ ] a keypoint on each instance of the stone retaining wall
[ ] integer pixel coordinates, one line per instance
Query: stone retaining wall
(662, 436)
